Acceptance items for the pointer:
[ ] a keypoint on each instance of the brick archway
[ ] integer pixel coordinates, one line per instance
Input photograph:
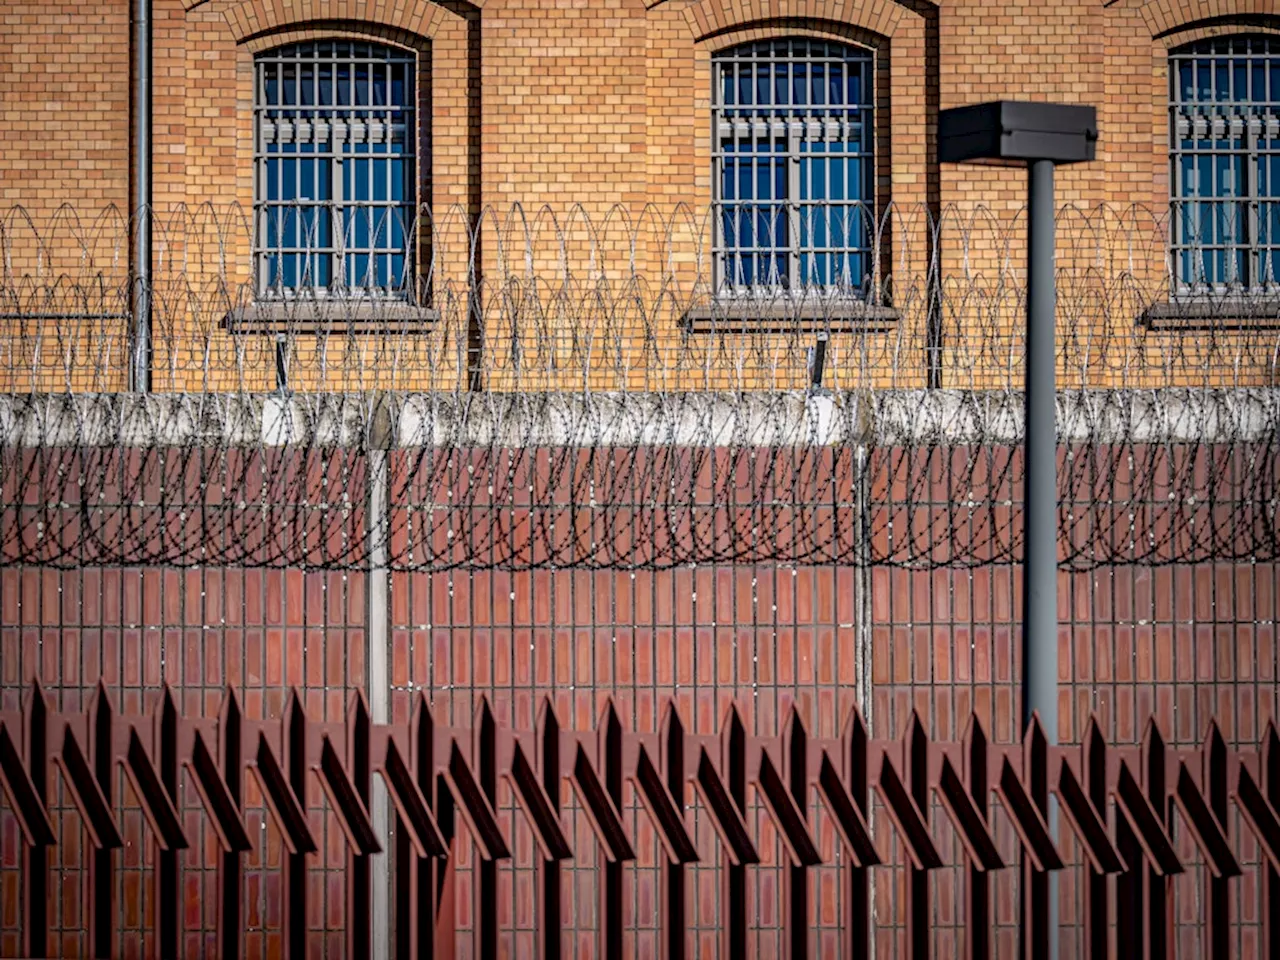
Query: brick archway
(707, 18)
(249, 19)
(1176, 23)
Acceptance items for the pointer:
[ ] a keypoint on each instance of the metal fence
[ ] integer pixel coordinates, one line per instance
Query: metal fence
(442, 778)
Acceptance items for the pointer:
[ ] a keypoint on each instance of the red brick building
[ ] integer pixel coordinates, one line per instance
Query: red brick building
(859, 553)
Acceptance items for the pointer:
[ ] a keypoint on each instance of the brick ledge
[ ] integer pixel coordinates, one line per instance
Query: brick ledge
(329, 317)
(1225, 314)
(790, 316)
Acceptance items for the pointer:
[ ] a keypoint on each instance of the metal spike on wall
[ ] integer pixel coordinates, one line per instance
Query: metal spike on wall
(1151, 785)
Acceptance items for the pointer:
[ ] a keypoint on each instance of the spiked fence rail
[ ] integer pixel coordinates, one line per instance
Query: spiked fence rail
(440, 778)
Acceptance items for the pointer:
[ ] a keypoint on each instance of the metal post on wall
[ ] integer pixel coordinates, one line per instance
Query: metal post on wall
(1040, 136)
(1040, 445)
(378, 523)
(140, 190)
(1040, 525)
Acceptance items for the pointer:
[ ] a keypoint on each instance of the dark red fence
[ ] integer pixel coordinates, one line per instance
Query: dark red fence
(1119, 804)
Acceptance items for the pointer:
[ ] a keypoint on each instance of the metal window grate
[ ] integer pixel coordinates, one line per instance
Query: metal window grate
(1224, 144)
(793, 141)
(334, 169)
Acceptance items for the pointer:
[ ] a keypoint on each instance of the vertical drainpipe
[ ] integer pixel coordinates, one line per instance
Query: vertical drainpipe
(140, 147)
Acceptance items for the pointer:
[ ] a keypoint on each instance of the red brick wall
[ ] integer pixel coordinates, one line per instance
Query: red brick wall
(1182, 642)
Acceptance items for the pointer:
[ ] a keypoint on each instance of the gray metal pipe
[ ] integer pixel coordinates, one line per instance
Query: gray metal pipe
(140, 194)
(1040, 570)
(1040, 508)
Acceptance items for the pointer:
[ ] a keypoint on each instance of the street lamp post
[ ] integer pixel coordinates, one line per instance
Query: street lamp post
(1039, 136)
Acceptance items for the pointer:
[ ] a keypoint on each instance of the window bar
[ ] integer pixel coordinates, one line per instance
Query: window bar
(260, 186)
(1253, 254)
(314, 213)
(748, 194)
(834, 155)
(717, 184)
(337, 190)
(383, 272)
(288, 82)
(370, 269)
(796, 240)
(1179, 213)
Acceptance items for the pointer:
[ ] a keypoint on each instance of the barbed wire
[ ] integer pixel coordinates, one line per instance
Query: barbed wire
(586, 390)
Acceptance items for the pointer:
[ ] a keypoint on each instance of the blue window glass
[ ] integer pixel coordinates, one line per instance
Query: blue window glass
(335, 169)
(1224, 157)
(795, 172)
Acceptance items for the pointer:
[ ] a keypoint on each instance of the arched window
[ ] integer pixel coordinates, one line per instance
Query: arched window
(794, 180)
(334, 169)
(1224, 145)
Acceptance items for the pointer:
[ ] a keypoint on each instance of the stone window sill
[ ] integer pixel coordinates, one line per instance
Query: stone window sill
(782, 316)
(1225, 314)
(319, 317)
